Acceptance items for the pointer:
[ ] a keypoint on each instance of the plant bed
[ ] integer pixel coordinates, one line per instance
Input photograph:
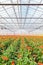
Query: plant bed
(21, 52)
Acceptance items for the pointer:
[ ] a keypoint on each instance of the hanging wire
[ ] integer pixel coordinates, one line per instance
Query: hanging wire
(5, 26)
(21, 14)
(7, 13)
(15, 12)
(33, 13)
(26, 13)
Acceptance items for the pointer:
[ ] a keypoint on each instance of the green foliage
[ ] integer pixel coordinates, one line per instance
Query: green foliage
(27, 53)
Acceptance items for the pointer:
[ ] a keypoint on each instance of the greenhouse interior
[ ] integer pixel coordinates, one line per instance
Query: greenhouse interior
(21, 32)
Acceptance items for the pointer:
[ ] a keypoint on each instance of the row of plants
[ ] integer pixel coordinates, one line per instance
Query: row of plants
(21, 52)
(36, 50)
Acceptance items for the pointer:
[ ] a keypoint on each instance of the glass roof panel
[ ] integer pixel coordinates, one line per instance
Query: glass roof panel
(22, 1)
(23, 18)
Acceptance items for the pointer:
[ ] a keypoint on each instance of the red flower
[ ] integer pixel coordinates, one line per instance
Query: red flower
(12, 63)
(39, 63)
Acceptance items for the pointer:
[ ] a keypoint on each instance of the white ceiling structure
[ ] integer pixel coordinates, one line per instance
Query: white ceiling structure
(22, 19)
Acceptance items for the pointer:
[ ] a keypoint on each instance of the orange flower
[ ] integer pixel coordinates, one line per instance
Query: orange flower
(41, 46)
(39, 63)
(4, 58)
(28, 47)
(12, 63)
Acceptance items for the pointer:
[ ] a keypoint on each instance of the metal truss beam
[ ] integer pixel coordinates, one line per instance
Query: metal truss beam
(20, 4)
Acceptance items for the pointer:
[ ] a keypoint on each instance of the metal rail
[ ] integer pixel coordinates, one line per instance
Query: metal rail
(21, 4)
(21, 17)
